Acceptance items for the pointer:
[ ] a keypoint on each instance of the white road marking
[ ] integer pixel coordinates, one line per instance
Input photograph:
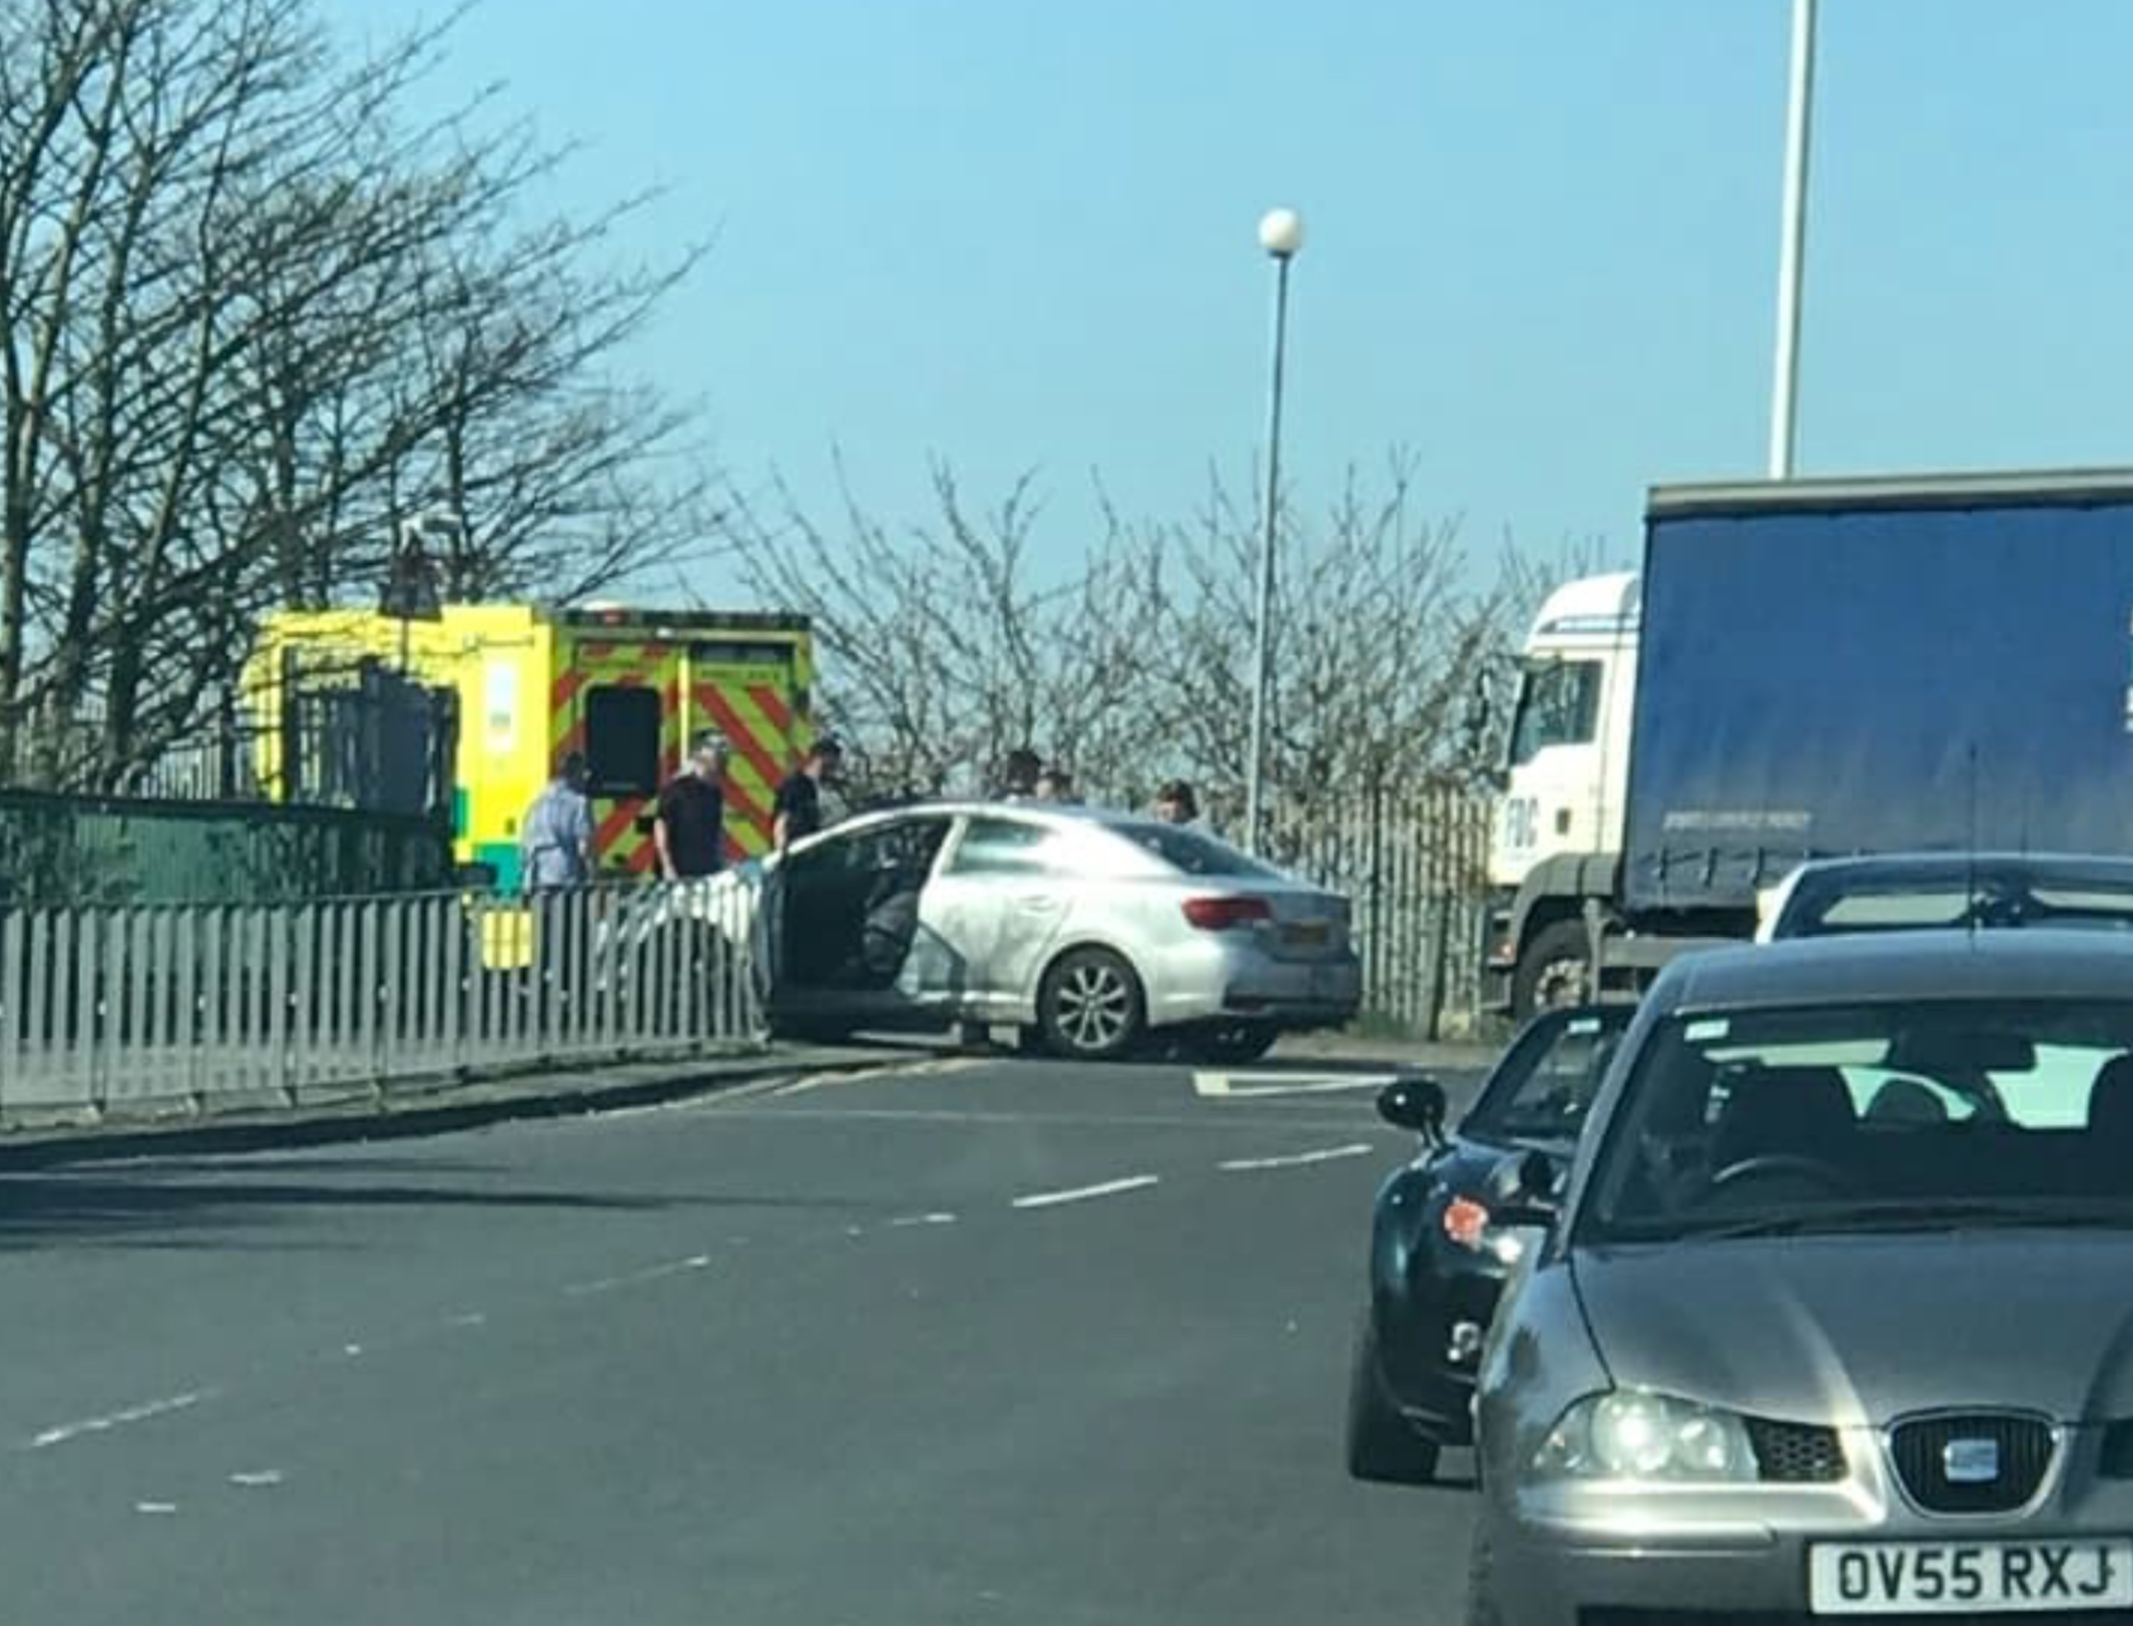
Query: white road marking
(1298, 1160)
(1241, 1085)
(471, 1318)
(257, 1480)
(921, 1219)
(352, 1351)
(60, 1433)
(155, 1507)
(637, 1278)
(1080, 1194)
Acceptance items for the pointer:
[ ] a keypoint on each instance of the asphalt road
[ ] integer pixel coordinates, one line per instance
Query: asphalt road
(997, 1342)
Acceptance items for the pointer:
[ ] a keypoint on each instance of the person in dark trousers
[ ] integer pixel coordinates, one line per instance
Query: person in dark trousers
(798, 811)
(690, 829)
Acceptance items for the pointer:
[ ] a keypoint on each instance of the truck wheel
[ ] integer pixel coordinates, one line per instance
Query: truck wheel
(1555, 970)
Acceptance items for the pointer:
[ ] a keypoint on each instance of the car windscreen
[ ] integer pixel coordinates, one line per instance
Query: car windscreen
(1193, 852)
(1871, 1116)
(1549, 1079)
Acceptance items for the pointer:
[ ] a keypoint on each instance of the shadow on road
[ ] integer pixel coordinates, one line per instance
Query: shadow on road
(184, 1206)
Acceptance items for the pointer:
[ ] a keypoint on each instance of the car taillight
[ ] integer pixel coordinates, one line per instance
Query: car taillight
(1466, 1222)
(1225, 914)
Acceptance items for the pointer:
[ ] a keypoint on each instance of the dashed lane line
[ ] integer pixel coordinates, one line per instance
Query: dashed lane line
(1298, 1160)
(1082, 1194)
(61, 1433)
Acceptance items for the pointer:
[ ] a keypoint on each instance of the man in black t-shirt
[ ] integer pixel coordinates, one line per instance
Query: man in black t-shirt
(799, 805)
(690, 829)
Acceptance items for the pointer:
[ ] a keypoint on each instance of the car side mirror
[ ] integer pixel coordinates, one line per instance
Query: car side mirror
(1416, 1104)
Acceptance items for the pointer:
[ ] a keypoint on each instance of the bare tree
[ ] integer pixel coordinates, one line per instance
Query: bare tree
(251, 317)
(944, 647)
(1381, 625)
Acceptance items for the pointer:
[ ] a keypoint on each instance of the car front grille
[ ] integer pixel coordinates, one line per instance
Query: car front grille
(2020, 1446)
(1796, 1453)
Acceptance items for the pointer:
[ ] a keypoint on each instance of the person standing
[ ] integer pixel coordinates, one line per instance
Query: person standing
(690, 828)
(555, 846)
(1019, 774)
(1175, 803)
(1056, 784)
(798, 810)
(555, 843)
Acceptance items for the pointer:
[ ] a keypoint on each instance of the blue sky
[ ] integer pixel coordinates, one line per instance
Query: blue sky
(1020, 233)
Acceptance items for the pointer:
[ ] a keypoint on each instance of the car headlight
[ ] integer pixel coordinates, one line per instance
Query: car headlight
(1650, 1439)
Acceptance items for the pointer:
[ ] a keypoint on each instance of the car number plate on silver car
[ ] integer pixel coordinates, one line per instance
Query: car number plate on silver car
(1970, 1577)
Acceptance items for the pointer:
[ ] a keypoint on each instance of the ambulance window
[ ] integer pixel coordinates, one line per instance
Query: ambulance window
(622, 741)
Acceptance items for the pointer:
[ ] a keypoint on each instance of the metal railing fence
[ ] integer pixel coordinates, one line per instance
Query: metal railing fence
(1413, 860)
(147, 1008)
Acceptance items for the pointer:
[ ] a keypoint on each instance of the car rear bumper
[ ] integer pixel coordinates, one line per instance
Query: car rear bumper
(1226, 978)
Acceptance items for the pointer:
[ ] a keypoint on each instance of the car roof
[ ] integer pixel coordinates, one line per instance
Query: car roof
(1877, 968)
(1056, 813)
(1956, 866)
(1000, 807)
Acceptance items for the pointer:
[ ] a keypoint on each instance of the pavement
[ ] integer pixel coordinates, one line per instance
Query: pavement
(958, 1339)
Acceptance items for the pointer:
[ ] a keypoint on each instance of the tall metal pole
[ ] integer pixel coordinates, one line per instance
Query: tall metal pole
(1792, 253)
(1263, 621)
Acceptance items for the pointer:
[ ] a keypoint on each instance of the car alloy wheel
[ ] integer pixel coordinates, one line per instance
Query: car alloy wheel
(1092, 1005)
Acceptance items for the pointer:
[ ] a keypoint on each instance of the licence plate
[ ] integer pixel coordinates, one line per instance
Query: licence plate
(1307, 934)
(1970, 1577)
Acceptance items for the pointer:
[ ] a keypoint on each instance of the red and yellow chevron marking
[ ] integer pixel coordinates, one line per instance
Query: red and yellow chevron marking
(566, 723)
(760, 736)
(617, 840)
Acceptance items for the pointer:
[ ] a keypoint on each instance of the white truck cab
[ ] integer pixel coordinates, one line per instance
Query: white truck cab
(1569, 749)
(1558, 829)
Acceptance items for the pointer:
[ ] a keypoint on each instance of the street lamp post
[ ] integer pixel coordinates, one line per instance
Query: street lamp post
(1792, 252)
(1281, 235)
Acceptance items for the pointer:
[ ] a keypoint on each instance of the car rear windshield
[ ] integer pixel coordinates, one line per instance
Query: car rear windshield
(1897, 907)
(1864, 1116)
(1192, 851)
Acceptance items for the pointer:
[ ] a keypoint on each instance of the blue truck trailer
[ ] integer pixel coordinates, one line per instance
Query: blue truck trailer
(1807, 669)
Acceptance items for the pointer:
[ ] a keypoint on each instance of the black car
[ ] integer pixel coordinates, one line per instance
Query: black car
(1437, 1265)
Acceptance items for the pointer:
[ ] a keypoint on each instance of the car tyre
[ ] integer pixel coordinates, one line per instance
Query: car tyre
(1235, 1042)
(1382, 1444)
(1091, 1007)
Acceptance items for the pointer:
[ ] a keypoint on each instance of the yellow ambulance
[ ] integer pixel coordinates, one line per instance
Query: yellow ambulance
(628, 687)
